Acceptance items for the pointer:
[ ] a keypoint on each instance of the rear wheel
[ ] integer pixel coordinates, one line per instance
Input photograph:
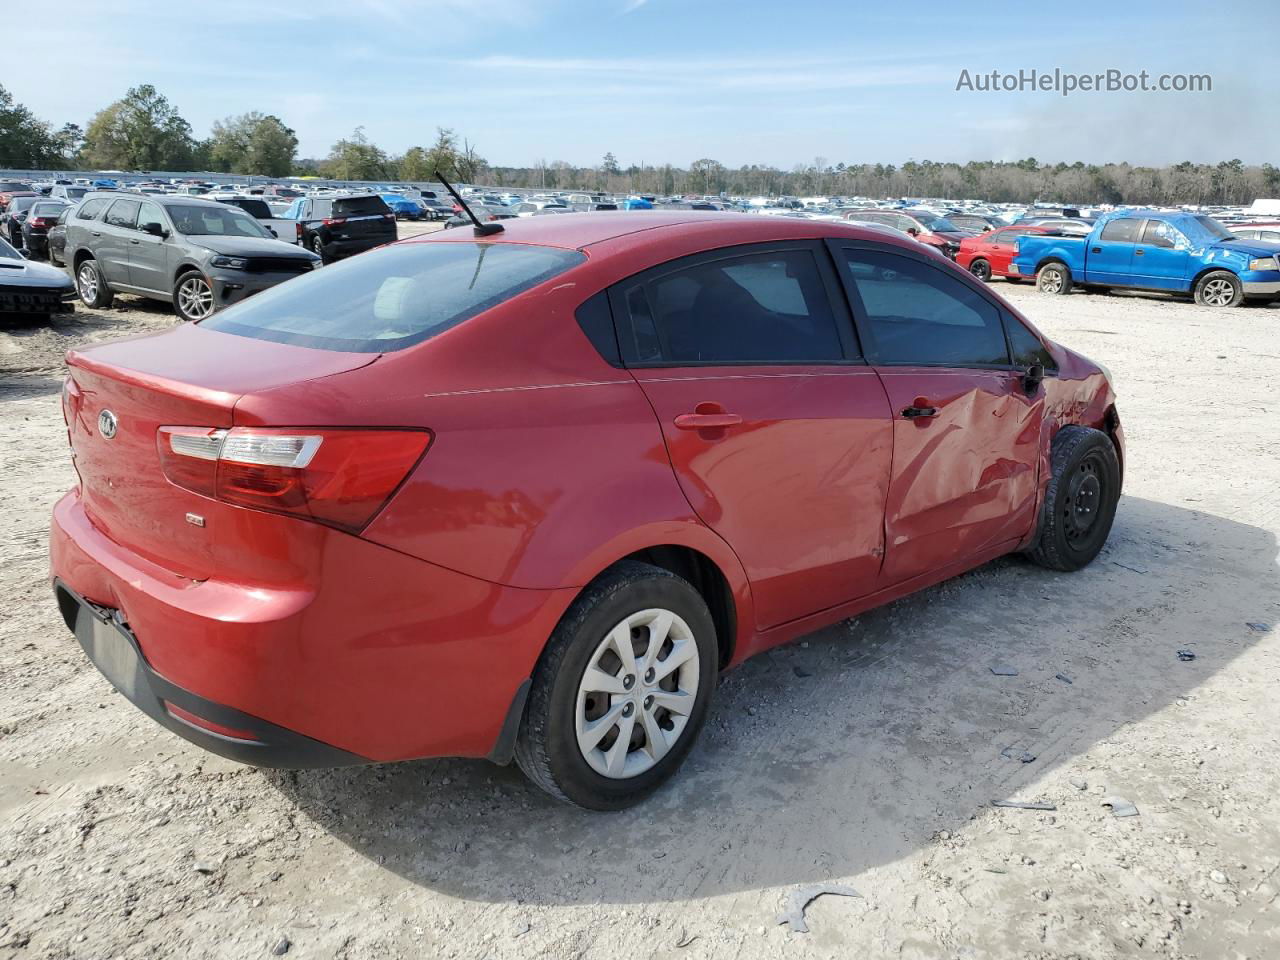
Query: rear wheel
(1219, 288)
(621, 690)
(981, 269)
(1054, 278)
(93, 290)
(1080, 500)
(317, 247)
(193, 297)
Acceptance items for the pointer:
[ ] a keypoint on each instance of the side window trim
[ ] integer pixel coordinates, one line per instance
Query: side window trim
(838, 244)
(830, 281)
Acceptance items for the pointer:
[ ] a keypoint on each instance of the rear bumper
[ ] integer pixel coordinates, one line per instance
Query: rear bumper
(335, 249)
(111, 646)
(365, 654)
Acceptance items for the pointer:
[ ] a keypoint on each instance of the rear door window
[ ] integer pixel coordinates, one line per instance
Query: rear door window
(123, 213)
(915, 313)
(394, 298)
(764, 308)
(1121, 231)
(90, 209)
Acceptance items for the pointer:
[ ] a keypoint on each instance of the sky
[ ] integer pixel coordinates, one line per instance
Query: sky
(672, 81)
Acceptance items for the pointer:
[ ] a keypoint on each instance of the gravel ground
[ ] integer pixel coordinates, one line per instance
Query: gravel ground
(868, 754)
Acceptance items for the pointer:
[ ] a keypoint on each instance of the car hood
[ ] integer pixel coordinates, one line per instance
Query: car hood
(24, 273)
(250, 246)
(1250, 248)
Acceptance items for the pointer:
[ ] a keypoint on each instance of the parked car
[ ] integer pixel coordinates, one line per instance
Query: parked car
(281, 228)
(68, 192)
(1182, 253)
(41, 216)
(433, 209)
(1257, 230)
(14, 215)
(989, 254)
(34, 290)
(57, 236)
(439, 570)
(13, 188)
(928, 228)
(484, 213)
(199, 255)
(1071, 226)
(336, 227)
(530, 208)
(973, 222)
(403, 207)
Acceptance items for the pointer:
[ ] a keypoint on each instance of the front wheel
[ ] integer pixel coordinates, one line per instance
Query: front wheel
(1219, 288)
(981, 269)
(1054, 278)
(93, 289)
(1080, 500)
(193, 297)
(621, 690)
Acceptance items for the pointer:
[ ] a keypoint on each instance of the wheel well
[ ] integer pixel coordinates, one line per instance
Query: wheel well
(1207, 270)
(1048, 260)
(80, 257)
(705, 577)
(1110, 421)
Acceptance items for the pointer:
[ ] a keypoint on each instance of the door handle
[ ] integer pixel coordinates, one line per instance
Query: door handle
(1095, 250)
(707, 421)
(920, 409)
(1138, 253)
(95, 234)
(135, 241)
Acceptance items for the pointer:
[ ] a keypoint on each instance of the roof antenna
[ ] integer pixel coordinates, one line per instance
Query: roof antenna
(482, 229)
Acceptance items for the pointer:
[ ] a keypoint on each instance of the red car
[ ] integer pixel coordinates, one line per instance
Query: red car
(10, 189)
(989, 254)
(527, 495)
(927, 227)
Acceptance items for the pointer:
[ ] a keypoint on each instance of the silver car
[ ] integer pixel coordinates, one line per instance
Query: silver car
(197, 254)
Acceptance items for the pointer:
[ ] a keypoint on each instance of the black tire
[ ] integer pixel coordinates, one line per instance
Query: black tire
(547, 747)
(317, 247)
(981, 269)
(53, 260)
(94, 293)
(1054, 278)
(1219, 288)
(1080, 502)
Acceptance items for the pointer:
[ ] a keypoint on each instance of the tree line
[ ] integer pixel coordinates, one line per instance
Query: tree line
(144, 131)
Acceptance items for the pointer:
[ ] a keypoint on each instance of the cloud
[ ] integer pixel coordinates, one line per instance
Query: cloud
(631, 6)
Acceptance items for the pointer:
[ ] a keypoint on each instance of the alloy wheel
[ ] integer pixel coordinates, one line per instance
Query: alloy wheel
(1219, 292)
(637, 693)
(1051, 281)
(87, 278)
(195, 298)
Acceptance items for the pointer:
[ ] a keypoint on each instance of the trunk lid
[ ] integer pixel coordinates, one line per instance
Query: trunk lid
(184, 377)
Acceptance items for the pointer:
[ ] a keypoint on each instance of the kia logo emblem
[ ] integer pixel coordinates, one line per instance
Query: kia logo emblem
(107, 424)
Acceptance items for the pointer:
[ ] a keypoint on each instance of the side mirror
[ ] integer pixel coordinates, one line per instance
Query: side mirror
(155, 229)
(25, 253)
(272, 231)
(913, 231)
(1033, 378)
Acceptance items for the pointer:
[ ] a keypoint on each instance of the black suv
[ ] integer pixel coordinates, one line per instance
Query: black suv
(336, 227)
(196, 254)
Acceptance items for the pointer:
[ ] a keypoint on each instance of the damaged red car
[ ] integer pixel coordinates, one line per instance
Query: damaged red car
(524, 495)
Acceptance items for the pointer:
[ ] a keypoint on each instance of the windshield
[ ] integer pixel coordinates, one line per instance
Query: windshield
(1213, 230)
(47, 209)
(7, 252)
(208, 221)
(395, 297)
(75, 193)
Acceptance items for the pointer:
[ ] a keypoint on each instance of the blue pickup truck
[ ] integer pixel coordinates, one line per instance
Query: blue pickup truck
(1181, 253)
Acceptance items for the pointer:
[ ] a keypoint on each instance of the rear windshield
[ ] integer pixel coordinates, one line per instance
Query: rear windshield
(255, 208)
(359, 206)
(393, 298)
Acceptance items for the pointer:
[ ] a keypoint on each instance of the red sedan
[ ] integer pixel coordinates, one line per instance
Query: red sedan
(989, 254)
(526, 495)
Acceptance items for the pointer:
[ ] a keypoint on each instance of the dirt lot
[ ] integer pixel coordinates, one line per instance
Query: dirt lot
(868, 754)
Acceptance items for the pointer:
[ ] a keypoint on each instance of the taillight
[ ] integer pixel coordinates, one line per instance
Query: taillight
(42, 222)
(298, 229)
(333, 221)
(1015, 247)
(338, 477)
